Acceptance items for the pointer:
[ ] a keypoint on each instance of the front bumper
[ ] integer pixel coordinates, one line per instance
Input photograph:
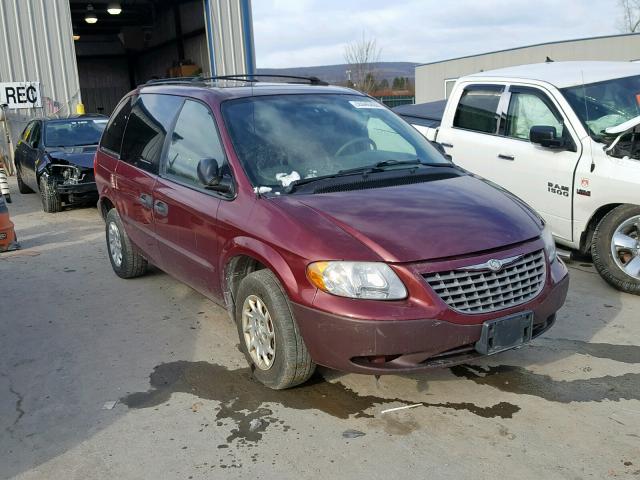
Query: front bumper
(77, 188)
(393, 346)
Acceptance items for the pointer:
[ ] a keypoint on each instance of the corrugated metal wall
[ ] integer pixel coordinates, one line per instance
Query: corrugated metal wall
(430, 78)
(36, 44)
(230, 36)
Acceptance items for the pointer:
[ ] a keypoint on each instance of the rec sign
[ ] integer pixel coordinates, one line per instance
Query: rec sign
(20, 94)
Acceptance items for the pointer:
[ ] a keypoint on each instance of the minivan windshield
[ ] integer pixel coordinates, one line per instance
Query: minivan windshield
(75, 132)
(605, 104)
(283, 138)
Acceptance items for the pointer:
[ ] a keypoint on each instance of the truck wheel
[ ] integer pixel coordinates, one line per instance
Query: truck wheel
(269, 336)
(616, 248)
(22, 188)
(50, 199)
(125, 259)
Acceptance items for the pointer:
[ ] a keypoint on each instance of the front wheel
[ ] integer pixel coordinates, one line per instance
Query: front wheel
(269, 336)
(51, 202)
(126, 261)
(616, 248)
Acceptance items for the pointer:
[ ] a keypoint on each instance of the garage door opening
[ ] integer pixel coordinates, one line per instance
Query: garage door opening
(122, 44)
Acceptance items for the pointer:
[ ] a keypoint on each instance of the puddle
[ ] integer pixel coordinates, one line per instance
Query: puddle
(518, 380)
(244, 400)
(618, 353)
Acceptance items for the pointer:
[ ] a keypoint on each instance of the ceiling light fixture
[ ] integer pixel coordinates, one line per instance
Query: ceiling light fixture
(114, 8)
(90, 17)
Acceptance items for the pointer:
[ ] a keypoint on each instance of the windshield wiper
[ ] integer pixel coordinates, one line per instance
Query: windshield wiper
(377, 167)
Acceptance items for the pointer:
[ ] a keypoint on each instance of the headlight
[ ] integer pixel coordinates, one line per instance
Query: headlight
(369, 280)
(549, 243)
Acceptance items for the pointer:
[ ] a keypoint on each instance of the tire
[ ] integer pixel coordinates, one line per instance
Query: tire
(130, 263)
(49, 196)
(602, 249)
(291, 363)
(22, 188)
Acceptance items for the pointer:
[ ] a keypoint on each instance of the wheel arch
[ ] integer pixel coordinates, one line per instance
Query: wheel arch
(586, 238)
(244, 255)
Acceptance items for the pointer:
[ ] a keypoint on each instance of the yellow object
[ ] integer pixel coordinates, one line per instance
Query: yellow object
(314, 273)
(80, 109)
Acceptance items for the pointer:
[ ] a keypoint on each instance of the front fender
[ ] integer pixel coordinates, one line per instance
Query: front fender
(299, 292)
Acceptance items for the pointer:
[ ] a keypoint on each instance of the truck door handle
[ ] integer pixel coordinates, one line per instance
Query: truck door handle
(161, 208)
(506, 157)
(448, 145)
(145, 200)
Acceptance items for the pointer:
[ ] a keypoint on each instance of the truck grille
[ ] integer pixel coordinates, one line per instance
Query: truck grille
(481, 291)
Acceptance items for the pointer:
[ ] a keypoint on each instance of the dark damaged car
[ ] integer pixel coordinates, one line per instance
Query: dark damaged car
(55, 157)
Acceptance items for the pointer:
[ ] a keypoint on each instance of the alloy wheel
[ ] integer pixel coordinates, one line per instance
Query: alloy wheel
(259, 333)
(625, 246)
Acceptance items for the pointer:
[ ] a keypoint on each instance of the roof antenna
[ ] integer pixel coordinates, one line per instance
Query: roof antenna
(548, 60)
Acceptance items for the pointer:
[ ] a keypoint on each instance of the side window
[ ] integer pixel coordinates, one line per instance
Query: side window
(477, 109)
(528, 108)
(150, 119)
(112, 137)
(194, 138)
(36, 135)
(27, 131)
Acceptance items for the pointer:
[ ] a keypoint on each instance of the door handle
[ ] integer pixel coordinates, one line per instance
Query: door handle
(161, 208)
(506, 157)
(448, 145)
(145, 200)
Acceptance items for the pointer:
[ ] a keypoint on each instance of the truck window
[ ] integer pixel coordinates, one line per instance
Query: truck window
(477, 109)
(527, 109)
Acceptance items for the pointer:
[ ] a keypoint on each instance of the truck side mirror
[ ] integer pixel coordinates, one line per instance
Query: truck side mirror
(545, 136)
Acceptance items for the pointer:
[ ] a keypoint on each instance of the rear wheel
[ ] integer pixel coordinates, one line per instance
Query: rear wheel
(269, 336)
(616, 248)
(22, 188)
(126, 261)
(49, 196)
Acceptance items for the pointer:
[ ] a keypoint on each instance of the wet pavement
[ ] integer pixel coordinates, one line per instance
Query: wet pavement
(75, 339)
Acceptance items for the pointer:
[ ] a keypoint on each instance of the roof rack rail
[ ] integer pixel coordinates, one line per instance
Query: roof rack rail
(245, 77)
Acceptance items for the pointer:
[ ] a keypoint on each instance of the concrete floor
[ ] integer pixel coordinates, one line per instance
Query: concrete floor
(74, 337)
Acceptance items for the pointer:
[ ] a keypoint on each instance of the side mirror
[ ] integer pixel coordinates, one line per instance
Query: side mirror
(208, 172)
(210, 176)
(545, 136)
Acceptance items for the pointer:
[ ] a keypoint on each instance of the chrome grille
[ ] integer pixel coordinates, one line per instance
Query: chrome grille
(474, 291)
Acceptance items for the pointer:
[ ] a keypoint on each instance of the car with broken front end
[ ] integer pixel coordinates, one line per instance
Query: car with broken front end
(332, 231)
(54, 157)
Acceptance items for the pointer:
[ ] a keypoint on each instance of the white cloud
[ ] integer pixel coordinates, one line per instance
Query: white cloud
(291, 33)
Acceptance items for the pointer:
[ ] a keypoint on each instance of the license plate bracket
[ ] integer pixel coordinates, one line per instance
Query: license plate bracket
(505, 333)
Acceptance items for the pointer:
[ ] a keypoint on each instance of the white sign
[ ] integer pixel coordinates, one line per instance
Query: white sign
(20, 95)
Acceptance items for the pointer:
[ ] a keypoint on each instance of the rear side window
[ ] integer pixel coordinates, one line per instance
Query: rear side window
(150, 119)
(112, 137)
(477, 109)
(194, 138)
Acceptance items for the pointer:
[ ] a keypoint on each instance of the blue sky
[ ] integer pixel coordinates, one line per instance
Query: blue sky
(291, 33)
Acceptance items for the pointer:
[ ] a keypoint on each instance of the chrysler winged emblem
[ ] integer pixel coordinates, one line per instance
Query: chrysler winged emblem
(495, 265)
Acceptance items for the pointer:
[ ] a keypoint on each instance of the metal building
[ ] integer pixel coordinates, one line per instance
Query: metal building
(435, 80)
(94, 51)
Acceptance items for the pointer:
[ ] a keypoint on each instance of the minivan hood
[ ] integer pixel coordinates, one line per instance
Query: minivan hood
(424, 221)
(80, 156)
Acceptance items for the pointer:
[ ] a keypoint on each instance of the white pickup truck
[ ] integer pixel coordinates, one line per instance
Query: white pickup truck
(564, 137)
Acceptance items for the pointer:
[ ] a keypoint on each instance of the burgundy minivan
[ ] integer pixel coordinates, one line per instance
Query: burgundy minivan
(329, 228)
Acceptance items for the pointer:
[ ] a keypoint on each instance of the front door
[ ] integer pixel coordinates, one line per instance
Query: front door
(185, 212)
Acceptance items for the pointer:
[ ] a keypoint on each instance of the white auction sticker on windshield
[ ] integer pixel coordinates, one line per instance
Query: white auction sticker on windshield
(365, 104)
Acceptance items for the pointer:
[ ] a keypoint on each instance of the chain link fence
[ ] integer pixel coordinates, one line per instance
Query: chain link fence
(16, 121)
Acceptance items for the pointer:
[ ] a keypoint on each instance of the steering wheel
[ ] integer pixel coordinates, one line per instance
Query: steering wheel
(355, 141)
